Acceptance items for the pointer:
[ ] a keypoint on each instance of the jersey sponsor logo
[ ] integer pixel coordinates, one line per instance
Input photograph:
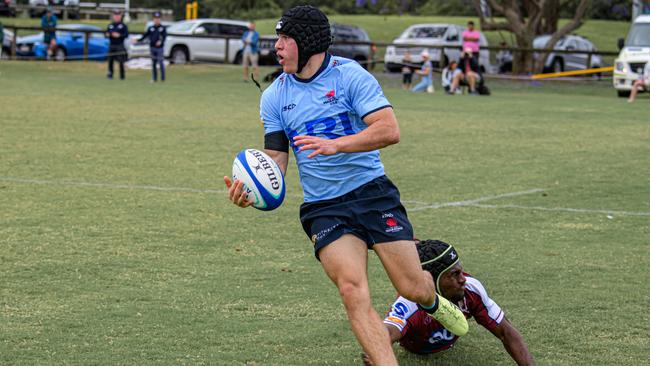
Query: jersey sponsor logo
(441, 336)
(396, 320)
(324, 127)
(400, 309)
(288, 107)
(386, 215)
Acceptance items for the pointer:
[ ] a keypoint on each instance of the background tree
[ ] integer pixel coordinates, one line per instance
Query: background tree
(526, 19)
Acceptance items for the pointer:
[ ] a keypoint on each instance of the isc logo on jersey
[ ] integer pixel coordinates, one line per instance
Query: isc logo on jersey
(262, 178)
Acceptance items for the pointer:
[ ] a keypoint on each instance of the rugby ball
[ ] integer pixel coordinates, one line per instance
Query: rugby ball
(262, 178)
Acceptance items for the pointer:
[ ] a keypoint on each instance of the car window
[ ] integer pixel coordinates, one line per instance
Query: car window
(343, 36)
(232, 30)
(452, 34)
(427, 32)
(211, 29)
(180, 27)
(571, 45)
(583, 46)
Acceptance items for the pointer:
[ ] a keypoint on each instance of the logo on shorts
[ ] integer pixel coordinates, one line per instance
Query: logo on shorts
(392, 226)
(323, 233)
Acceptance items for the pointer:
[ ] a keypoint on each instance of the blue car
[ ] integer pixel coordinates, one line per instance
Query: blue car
(69, 44)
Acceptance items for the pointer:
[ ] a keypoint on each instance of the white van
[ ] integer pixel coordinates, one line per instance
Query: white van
(635, 52)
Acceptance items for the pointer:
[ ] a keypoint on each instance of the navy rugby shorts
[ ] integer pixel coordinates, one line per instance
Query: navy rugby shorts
(373, 212)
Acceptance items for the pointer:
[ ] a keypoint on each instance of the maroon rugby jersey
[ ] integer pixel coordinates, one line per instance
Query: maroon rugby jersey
(422, 334)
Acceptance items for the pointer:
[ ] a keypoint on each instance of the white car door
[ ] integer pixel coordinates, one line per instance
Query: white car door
(207, 49)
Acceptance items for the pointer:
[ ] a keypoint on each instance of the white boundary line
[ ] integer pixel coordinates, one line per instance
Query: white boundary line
(475, 201)
(467, 203)
(109, 185)
(564, 209)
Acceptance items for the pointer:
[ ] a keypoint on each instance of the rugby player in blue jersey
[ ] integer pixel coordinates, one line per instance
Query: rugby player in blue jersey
(334, 116)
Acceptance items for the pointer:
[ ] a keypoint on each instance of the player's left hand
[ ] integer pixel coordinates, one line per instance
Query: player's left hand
(366, 359)
(320, 145)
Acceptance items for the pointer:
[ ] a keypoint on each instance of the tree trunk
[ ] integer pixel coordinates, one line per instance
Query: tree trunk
(550, 17)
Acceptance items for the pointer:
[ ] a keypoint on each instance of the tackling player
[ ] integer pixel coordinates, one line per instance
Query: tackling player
(418, 333)
(334, 116)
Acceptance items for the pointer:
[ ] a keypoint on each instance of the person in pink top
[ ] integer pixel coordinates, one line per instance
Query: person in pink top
(471, 38)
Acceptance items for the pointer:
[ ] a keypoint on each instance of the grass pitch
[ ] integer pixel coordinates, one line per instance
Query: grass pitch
(118, 246)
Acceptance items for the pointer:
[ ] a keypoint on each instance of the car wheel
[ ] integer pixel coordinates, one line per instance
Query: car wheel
(60, 54)
(558, 65)
(179, 55)
(623, 93)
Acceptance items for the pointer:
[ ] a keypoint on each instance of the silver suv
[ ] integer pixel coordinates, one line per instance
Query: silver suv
(558, 62)
(180, 48)
(419, 37)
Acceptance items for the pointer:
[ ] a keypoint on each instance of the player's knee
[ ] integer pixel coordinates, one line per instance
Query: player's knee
(353, 293)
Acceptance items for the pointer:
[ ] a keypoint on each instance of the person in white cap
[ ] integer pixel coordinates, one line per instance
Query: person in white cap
(426, 72)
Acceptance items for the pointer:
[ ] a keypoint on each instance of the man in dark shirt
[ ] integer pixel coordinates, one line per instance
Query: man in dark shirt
(157, 35)
(117, 33)
(48, 23)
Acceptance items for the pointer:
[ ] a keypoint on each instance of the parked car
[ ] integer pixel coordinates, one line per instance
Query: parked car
(8, 8)
(180, 48)
(363, 53)
(558, 62)
(266, 48)
(425, 36)
(38, 7)
(635, 53)
(70, 44)
(141, 49)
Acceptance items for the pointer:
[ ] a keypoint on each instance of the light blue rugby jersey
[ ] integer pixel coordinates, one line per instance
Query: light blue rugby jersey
(330, 104)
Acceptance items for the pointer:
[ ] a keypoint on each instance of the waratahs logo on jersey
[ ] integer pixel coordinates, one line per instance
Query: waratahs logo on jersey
(331, 97)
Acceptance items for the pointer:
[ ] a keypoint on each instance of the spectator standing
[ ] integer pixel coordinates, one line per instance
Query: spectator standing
(407, 71)
(426, 72)
(157, 33)
(250, 55)
(48, 23)
(471, 39)
(117, 32)
(2, 38)
(451, 77)
(642, 83)
(504, 58)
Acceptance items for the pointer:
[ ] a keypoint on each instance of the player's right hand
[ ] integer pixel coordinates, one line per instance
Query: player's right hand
(236, 192)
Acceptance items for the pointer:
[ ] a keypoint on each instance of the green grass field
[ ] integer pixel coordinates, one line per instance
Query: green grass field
(118, 245)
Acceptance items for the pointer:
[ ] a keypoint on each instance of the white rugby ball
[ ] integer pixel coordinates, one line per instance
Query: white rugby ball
(262, 178)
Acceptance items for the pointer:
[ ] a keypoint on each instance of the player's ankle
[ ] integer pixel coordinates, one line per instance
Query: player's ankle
(431, 309)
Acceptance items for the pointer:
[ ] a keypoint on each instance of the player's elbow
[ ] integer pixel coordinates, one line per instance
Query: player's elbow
(392, 137)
